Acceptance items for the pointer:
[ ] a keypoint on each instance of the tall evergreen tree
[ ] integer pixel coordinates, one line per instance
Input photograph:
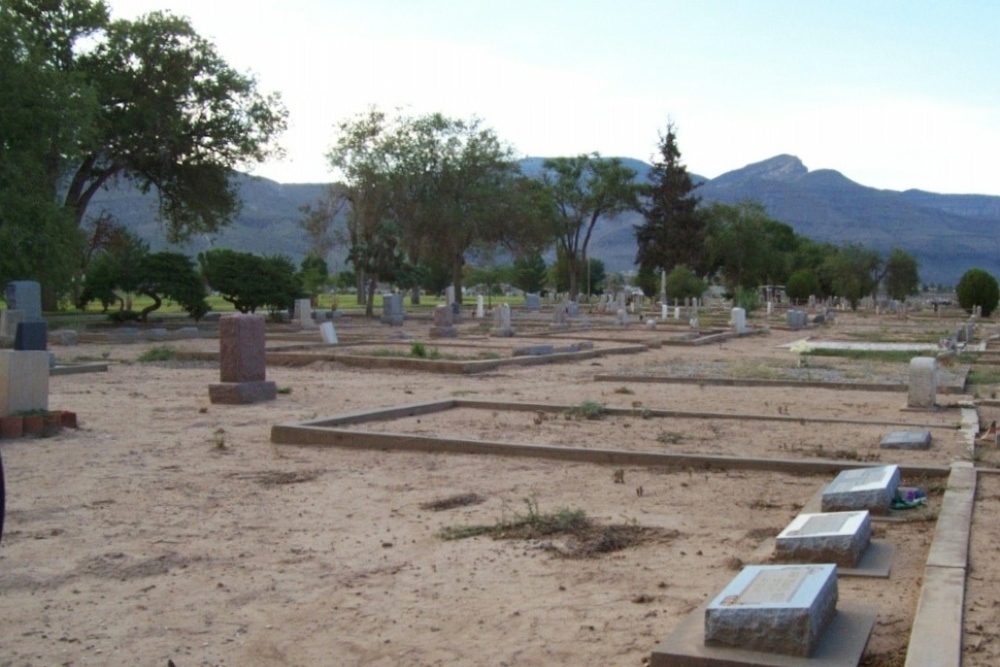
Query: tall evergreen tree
(674, 230)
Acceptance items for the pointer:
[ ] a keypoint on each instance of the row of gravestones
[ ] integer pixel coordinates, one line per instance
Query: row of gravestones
(785, 609)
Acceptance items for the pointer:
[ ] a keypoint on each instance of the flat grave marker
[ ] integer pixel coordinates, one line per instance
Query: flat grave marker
(906, 440)
(869, 489)
(836, 537)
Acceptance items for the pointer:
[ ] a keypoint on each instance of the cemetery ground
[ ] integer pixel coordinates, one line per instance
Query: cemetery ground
(168, 528)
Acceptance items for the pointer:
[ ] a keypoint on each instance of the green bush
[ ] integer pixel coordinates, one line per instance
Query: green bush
(978, 288)
(801, 285)
(161, 353)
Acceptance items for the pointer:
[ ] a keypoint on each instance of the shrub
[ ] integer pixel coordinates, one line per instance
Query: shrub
(978, 288)
(161, 353)
(801, 284)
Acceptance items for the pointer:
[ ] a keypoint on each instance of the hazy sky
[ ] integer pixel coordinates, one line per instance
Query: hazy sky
(894, 94)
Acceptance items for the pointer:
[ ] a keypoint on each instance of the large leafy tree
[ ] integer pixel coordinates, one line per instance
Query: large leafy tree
(747, 246)
(854, 272)
(584, 189)
(250, 281)
(902, 274)
(674, 230)
(152, 103)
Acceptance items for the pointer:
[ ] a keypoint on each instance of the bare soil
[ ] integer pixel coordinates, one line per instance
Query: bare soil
(170, 529)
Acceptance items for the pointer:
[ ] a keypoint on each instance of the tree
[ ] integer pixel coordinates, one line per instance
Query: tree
(902, 274)
(319, 222)
(683, 283)
(674, 230)
(802, 284)
(584, 189)
(528, 274)
(249, 281)
(378, 258)
(854, 272)
(978, 288)
(313, 274)
(147, 101)
(172, 276)
(592, 276)
(747, 246)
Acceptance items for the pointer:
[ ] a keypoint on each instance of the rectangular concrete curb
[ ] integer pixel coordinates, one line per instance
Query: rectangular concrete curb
(950, 546)
(936, 636)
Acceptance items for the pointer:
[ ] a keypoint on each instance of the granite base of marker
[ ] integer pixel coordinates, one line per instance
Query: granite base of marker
(837, 537)
(842, 645)
(242, 393)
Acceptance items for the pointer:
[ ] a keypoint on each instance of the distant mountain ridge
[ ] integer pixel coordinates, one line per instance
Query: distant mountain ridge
(947, 233)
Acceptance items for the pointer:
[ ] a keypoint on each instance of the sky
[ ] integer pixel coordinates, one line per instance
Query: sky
(893, 94)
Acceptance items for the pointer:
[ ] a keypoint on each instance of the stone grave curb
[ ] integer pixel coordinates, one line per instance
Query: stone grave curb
(330, 432)
(936, 635)
(74, 369)
(730, 382)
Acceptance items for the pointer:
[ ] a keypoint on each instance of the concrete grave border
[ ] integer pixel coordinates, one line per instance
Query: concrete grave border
(334, 431)
(809, 384)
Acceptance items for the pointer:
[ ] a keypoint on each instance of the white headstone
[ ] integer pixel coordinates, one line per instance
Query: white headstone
(449, 295)
(739, 320)
(328, 333)
(480, 308)
(677, 312)
(303, 313)
(923, 383)
(770, 308)
(663, 311)
(24, 381)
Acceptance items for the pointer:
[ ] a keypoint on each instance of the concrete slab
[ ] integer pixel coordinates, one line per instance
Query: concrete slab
(906, 440)
(936, 637)
(842, 645)
(950, 547)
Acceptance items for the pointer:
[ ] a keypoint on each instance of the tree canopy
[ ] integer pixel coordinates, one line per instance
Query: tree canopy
(87, 100)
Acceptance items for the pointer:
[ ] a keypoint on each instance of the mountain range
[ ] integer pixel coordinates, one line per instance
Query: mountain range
(947, 233)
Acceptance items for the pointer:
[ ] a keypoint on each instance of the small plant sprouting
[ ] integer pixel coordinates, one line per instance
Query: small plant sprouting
(159, 353)
(219, 437)
(418, 350)
(587, 410)
(284, 390)
(624, 390)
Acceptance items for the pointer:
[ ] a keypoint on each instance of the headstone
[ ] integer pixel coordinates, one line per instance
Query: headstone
(739, 320)
(559, 315)
(694, 323)
(797, 319)
(444, 322)
(651, 324)
(242, 367)
(9, 319)
(621, 319)
(449, 295)
(31, 336)
(157, 334)
(663, 287)
(834, 537)
(663, 311)
(26, 296)
(781, 609)
(66, 337)
(906, 440)
(303, 314)
(392, 310)
(24, 381)
(480, 308)
(328, 333)
(532, 302)
(869, 489)
(812, 301)
(501, 322)
(770, 308)
(677, 312)
(923, 383)
(573, 310)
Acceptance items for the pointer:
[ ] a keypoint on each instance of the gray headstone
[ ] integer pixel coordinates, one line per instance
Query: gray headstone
(923, 383)
(328, 333)
(837, 537)
(906, 440)
(9, 319)
(869, 489)
(24, 381)
(532, 302)
(392, 310)
(781, 609)
(26, 296)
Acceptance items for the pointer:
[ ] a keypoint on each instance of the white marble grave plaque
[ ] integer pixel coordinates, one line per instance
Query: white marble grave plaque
(863, 488)
(837, 537)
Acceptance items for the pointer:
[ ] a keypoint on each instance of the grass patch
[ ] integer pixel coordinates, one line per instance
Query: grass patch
(587, 410)
(451, 502)
(284, 390)
(890, 356)
(159, 353)
(984, 376)
(586, 539)
(624, 390)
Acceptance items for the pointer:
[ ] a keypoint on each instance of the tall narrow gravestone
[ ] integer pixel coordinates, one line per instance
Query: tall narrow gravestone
(444, 323)
(739, 320)
(923, 383)
(303, 313)
(392, 310)
(869, 489)
(833, 537)
(501, 322)
(774, 609)
(559, 316)
(241, 362)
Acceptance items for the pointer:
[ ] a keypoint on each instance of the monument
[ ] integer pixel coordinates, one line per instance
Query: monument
(241, 362)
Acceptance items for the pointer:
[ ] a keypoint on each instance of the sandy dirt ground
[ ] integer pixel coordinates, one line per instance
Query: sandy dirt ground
(170, 529)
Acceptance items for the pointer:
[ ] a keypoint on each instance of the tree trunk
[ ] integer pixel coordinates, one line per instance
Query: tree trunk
(415, 295)
(456, 275)
(574, 283)
(370, 300)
